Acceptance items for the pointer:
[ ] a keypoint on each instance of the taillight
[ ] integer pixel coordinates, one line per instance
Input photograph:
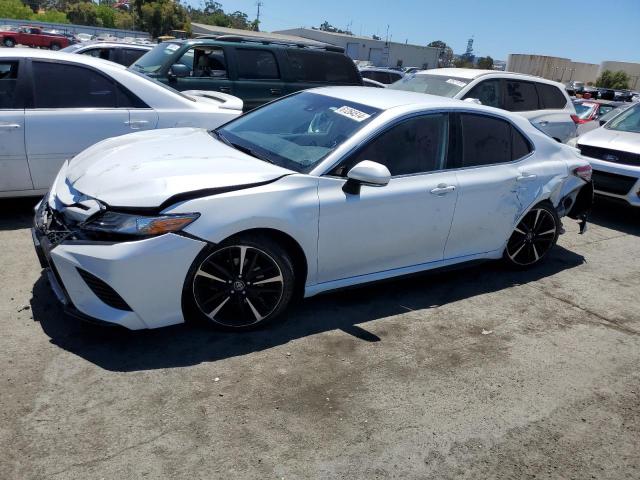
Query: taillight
(584, 172)
(577, 120)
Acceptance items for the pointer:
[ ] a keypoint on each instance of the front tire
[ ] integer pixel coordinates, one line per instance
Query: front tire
(9, 43)
(55, 47)
(243, 284)
(533, 237)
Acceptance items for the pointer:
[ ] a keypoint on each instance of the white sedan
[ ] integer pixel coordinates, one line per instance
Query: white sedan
(320, 190)
(53, 105)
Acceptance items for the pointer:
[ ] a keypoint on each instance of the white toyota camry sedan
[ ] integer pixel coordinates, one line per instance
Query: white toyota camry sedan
(323, 189)
(53, 105)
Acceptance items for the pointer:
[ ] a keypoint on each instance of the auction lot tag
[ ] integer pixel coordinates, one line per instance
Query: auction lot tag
(352, 113)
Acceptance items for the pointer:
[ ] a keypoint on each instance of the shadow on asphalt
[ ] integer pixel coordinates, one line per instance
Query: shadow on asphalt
(616, 215)
(116, 349)
(17, 213)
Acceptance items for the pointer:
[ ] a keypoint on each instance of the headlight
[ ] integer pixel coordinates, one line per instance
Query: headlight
(140, 225)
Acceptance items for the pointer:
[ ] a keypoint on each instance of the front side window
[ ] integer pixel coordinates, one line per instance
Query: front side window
(440, 85)
(8, 83)
(74, 87)
(298, 131)
(488, 140)
(417, 145)
(104, 53)
(520, 96)
(627, 121)
(257, 64)
(488, 92)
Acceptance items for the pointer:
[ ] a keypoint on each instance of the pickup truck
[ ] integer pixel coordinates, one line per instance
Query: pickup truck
(33, 37)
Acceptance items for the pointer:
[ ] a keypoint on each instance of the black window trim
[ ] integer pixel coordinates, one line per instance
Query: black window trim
(30, 87)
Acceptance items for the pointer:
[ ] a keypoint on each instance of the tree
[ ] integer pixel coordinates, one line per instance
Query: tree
(84, 14)
(327, 27)
(462, 62)
(14, 9)
(52, 16)
(445, 57)
(485, 63)
(616, 80)
(159, 18)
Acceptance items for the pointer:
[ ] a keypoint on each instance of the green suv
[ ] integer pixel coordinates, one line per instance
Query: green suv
(255, 70)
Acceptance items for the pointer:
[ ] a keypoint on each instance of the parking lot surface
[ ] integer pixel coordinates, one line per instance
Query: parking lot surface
(473, 373)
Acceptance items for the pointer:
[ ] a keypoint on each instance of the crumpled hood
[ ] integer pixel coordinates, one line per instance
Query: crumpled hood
(612, 139)
(146, 168)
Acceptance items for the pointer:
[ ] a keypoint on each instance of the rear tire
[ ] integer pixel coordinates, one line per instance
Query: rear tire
(9, 43)
(533, 237)
(242, 284)
(55, 47)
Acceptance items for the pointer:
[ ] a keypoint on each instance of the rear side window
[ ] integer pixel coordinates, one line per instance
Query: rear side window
(8, 83)
(129, 55)
(76, 87)
(550, 97)
(104, 53)
(325, 67)
(257, 64)
(521, 96)
(489, 140)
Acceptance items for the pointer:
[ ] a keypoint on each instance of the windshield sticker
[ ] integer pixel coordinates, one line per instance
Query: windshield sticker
(352, 113)
(455, 82)
(172, 47)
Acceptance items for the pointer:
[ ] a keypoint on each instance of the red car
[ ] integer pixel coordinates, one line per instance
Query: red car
(33, 37)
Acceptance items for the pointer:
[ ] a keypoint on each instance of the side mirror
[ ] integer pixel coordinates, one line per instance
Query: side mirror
(178, 70)
(366, 173)
(473, 100)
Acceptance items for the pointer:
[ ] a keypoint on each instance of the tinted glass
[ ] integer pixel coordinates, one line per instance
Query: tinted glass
(520, 146)
(488, 92)
(485, 140)
(298, 131)
(209, 62)
(325, 67)
(417, 145)
(520, 96)
(74, 87)
(257, 64)
(8, 82)
(550, 96)
(129, 55)
(440, 85)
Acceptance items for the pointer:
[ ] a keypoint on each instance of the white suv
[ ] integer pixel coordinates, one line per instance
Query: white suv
(544, 103)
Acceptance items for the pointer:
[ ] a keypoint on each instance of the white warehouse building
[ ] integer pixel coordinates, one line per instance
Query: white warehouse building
(378, 52)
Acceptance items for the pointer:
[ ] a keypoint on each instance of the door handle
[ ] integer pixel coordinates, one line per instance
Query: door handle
(526, 177)
(225, 89)
(275, 91)
(9, 125)
(135, 124)
(443, 189)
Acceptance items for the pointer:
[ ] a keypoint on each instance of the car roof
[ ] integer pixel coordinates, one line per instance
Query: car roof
(115, 44)
(98, 63)
(473, 73)
(385, 99)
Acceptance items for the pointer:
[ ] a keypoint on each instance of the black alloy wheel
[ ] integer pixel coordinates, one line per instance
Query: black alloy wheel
(242, 285)
(534, 236)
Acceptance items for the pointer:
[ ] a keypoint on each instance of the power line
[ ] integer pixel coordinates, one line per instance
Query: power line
(258, 4)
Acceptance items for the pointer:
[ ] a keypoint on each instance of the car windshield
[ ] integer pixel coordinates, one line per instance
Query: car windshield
(627, 121)
(440, 85)
(298, 131)
(584, 110)
(613, 113)
(154, 59)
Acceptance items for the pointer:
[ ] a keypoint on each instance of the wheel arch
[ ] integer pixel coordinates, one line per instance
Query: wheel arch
(290, 244)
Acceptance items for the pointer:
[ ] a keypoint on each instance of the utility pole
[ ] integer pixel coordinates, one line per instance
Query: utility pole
(258, 4)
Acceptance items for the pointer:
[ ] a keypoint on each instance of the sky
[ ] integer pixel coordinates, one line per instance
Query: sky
(585, 30)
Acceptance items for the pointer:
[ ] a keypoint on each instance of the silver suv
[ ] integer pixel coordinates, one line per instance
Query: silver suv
(544, 103)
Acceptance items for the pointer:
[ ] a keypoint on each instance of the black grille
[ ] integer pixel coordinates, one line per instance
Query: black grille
(612, 183)
(103, 291)
(614, 156)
